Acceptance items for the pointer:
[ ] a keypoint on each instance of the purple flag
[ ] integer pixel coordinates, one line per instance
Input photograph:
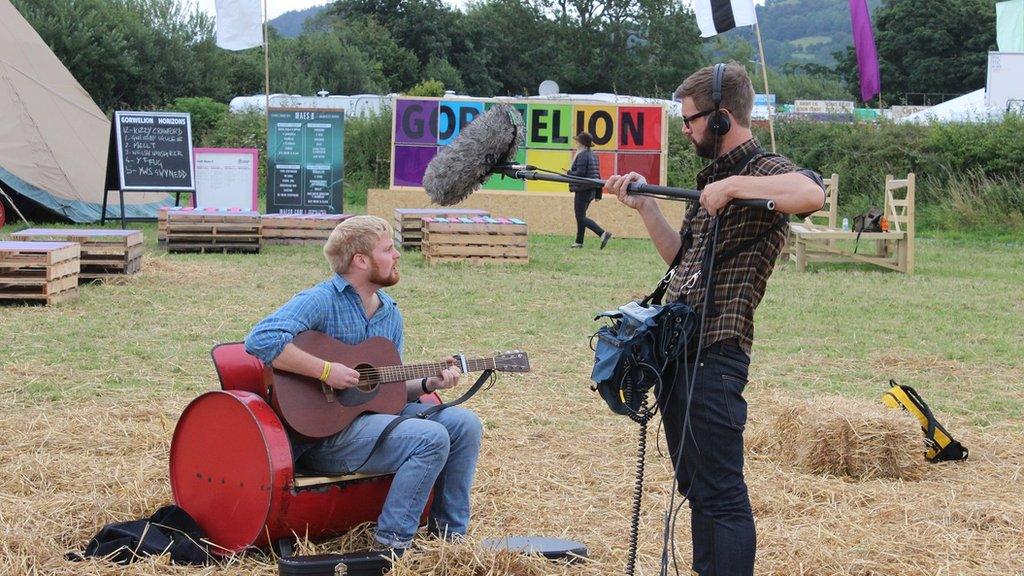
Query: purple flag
(864, 45)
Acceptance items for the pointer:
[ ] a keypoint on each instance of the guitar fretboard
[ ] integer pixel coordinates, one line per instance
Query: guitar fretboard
(400, 373)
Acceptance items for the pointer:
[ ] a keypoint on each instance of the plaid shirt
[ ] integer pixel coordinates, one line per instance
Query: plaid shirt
(739, 281)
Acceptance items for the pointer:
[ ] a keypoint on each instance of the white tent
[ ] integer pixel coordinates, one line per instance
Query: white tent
(967, 108)
(53, 137)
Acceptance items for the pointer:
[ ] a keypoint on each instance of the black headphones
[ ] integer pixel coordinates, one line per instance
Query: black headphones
(718, 123)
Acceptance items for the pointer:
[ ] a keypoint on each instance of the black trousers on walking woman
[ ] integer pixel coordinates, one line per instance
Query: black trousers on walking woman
(580, 205)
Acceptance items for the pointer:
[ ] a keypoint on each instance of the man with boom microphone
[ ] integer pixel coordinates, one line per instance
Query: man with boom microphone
(708, 455)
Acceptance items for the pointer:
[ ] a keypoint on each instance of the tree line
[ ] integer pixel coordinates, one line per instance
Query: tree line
(134, 54)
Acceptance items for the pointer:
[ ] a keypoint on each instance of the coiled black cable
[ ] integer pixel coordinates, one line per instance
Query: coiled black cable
(642, 416)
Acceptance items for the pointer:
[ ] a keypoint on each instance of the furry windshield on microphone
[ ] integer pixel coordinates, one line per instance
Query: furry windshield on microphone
(462, 166)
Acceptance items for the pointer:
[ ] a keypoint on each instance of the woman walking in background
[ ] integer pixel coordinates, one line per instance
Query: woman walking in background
(585, 164)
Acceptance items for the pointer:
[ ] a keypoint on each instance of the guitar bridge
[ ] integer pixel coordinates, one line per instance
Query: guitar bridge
(328, 392)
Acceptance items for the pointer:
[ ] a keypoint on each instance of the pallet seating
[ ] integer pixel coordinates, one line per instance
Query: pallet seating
(161, 225)
(894, 249)
(105, 253)
(480, 239)
(213, 230)
(300, 228)
(39, 271)
(409, 225)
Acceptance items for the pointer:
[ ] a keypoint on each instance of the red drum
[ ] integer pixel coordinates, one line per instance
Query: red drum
(231, 470)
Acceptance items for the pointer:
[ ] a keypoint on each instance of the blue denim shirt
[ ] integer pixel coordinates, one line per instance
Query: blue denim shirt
(332, 307)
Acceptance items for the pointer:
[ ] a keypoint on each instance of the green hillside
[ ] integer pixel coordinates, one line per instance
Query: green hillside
(796, 32)
(804, 31)
(290, 23)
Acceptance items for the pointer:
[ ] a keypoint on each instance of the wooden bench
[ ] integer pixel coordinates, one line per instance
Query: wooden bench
(893, 249)
(823, 219)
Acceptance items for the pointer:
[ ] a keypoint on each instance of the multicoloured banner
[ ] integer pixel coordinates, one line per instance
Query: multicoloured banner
(626, 138)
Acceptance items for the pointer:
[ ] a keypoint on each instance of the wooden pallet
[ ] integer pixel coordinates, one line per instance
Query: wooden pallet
(161, 225)
(474, 260)
(479, 240)
(204, 248)
(39, 271)
(409, 222)
(300, 228)
(471, 250)
(104, 253)
(207, 230)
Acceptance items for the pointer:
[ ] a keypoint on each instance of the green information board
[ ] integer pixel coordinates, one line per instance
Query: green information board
(305, 161)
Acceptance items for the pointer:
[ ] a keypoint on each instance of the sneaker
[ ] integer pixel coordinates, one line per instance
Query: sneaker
(605, 238)
(576, 245)
(379, 550)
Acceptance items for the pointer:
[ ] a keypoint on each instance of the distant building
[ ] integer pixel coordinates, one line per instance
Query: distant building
(357, 105)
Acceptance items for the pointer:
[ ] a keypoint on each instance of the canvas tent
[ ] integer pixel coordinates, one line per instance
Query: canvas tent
(53, 137)
(967, 108)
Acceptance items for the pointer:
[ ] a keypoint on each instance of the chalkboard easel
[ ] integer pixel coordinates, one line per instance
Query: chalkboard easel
(149, 152)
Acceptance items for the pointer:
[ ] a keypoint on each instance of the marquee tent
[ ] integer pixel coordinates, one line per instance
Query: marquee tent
(967, 108)
(53, 137)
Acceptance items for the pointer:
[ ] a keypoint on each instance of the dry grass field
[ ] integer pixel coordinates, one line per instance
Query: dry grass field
(91, 391)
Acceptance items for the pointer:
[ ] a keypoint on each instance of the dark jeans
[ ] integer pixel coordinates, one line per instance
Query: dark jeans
(580, 205)
(709, 467)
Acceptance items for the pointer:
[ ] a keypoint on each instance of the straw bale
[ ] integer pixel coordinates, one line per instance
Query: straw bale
(842, 438)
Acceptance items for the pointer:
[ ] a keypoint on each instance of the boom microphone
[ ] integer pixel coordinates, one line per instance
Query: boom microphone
(461, 167)
(488, 145)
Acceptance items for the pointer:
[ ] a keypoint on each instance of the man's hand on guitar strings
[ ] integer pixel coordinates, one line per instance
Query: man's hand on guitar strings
(342, 377)
(449, 377)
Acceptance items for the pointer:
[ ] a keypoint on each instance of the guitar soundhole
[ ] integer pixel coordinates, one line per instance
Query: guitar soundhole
(368, 386)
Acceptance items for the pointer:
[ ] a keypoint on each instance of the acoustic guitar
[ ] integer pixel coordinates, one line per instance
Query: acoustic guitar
(315, 410)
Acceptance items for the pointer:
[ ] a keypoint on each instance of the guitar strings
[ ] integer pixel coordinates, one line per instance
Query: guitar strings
(385, 374)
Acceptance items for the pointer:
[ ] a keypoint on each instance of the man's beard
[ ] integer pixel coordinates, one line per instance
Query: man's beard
(380, 279)
(706, 148)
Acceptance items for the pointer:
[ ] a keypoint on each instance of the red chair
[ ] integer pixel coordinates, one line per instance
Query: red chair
(231, 468)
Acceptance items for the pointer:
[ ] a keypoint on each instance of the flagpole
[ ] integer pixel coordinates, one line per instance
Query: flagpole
(266, 62)
(764, 74)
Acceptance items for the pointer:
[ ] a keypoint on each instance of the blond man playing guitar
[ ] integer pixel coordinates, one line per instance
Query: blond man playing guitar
(438, 453)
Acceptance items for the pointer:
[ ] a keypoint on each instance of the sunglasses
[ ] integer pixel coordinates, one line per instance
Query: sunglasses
(688, 119)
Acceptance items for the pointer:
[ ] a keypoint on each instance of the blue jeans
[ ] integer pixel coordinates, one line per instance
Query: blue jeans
(709, 464)
(439, 453)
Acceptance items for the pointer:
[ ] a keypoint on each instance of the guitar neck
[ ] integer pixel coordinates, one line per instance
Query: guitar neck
(418, 371)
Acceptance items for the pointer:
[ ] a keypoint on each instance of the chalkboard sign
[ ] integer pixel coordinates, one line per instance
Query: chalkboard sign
(305, 161)
(153, 150)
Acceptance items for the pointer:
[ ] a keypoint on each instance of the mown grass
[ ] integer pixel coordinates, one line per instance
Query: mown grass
(954, 329)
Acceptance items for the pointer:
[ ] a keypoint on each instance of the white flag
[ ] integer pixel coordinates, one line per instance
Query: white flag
(717, 16)
(239, 24)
